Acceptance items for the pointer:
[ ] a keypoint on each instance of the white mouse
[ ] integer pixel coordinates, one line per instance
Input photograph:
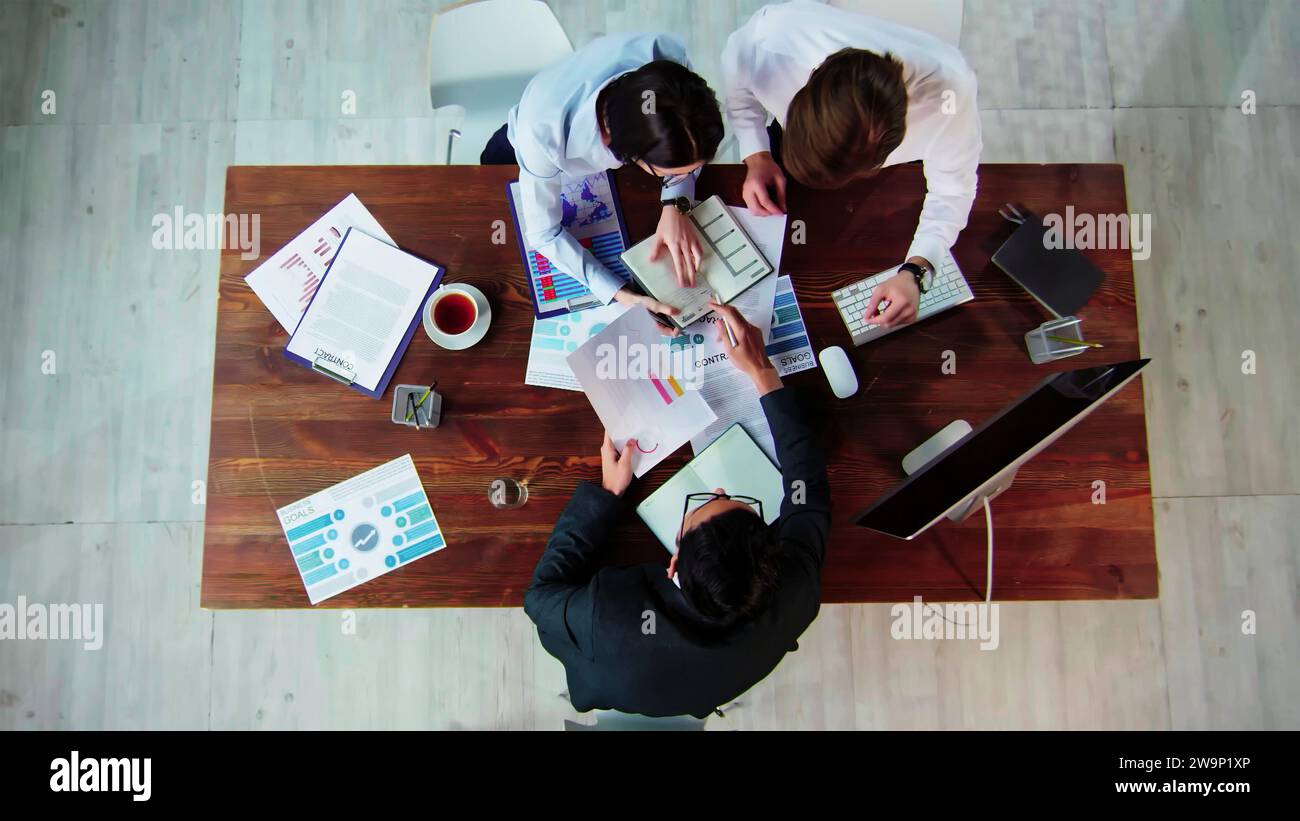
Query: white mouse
(839, 371)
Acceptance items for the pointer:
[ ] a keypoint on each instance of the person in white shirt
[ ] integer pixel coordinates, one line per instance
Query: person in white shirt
(851, 94)
(621, 99)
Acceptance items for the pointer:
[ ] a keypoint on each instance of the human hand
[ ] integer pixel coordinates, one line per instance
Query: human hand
(616, 468)
(763, 174)
(902, 296)
(656, 308)
(747, 352)
(675, 235)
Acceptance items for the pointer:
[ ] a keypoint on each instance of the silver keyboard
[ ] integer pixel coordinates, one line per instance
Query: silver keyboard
(949, 289)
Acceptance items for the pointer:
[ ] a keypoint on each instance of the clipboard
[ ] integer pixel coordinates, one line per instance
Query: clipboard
(339, 370)
(607, 248)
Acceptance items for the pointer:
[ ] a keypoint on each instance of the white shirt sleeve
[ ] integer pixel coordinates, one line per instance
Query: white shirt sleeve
(539, 193)
(950, 165)
(745, 114)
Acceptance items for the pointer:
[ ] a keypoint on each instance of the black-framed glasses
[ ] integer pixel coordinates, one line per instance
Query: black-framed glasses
(705, 498)
(670, 181)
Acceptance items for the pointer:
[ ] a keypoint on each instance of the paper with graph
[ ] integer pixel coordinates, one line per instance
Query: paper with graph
(589, 212)
(361, 528)
(555, 337)
(288, 280)
(641, 387)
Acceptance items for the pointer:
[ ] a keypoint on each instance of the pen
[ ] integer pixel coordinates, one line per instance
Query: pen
(1075, 341)
(730, 333)
(411, 412)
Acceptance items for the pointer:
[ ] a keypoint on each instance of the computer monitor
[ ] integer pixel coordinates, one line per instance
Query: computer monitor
(983, 463)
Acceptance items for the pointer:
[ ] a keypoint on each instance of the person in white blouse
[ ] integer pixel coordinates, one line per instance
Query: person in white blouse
(621, 99)
(851, 94)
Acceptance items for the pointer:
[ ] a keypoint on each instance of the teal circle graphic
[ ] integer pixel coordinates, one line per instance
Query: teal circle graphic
(343, 564)
(397, 541)
(331, 534)
(386, 511)
(338, 515)
(401, 521)
(390, 561)
(329, 553)
(364, 537)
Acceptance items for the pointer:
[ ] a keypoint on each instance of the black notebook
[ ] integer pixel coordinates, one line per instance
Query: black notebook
(1062, 279)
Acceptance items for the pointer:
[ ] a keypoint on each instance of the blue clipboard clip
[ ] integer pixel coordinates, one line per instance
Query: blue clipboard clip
(334, 372)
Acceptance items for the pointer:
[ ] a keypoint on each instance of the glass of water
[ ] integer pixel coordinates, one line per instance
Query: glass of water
(505, 493)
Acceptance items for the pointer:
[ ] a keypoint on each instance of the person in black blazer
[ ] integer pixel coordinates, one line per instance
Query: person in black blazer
(734, 600)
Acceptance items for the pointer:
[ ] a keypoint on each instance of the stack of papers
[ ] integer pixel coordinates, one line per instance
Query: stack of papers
(364, 313)
(564, 354)
(287, 282)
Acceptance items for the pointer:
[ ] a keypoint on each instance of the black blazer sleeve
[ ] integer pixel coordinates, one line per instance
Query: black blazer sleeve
(561, 599)
(806, 509)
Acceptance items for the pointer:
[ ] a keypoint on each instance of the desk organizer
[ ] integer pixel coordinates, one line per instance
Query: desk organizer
(1041, 349)
(429, 414)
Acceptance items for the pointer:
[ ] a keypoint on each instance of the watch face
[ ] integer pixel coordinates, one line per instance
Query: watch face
(927, 279)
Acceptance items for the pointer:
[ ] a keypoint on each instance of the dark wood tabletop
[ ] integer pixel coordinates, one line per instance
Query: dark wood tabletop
(281, 432)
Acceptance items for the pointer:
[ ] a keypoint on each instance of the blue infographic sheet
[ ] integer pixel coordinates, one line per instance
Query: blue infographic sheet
(360, 528)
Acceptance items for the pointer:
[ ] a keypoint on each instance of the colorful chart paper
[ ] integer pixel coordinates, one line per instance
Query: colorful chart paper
(361, 528)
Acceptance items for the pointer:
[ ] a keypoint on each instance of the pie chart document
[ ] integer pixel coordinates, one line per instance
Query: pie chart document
(361, 528)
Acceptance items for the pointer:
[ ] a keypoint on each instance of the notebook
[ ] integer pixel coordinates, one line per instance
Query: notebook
(361, 319)
(590, 212)
(1061, 279)
(730, 262)
(734, 463)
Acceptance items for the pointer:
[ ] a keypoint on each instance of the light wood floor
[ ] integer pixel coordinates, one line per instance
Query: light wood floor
(155, 99)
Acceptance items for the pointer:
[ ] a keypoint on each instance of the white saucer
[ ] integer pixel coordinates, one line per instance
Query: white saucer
(476, 331)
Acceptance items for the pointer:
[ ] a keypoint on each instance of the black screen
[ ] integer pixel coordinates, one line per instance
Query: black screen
(992, 447)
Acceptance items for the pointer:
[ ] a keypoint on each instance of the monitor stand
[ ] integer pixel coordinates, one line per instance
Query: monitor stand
(932, 448)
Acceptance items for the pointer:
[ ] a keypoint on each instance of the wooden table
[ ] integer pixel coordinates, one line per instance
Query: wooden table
(280, 432)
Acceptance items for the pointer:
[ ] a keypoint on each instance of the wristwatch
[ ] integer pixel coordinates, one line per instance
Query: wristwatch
(922, 273)
(682, 204)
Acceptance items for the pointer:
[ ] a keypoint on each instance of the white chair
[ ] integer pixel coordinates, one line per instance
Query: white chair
(481, 56)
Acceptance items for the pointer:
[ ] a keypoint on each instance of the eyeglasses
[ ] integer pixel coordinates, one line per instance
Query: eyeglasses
(670, 181)
(705, 498)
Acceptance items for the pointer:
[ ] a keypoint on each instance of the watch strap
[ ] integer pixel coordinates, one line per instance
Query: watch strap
(682, 204)
(917, 272)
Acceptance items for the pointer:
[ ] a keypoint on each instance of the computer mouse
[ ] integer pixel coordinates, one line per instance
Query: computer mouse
(839, 371)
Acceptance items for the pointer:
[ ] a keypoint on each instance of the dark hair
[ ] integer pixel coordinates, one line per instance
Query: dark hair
(727, 566)
(846, 120)
(663, 113)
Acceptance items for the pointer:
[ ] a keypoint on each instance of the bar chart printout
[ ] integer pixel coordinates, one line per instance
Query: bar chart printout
(589, 213)
(288, 280)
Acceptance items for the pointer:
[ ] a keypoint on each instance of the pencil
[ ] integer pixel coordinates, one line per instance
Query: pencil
(1075, 341)
(411, 412)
